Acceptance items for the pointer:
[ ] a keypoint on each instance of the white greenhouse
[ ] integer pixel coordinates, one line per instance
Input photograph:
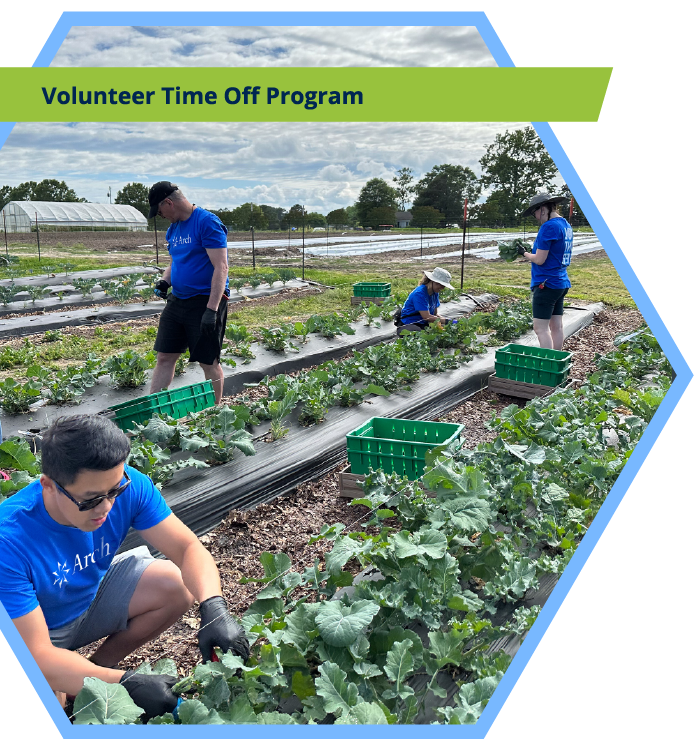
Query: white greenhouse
(22, 217)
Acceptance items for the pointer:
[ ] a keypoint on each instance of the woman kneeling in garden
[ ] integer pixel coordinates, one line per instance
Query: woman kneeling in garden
(420, 309)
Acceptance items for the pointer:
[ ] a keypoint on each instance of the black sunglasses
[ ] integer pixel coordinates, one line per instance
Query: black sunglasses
(90, 504)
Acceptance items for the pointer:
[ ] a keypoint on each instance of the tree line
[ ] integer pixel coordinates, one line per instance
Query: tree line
(513, 168)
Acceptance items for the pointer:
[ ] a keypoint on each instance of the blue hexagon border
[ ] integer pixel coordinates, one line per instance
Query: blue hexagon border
(603, 651)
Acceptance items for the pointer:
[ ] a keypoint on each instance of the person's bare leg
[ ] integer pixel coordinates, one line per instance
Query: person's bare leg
(164, 371)
(159, 600)
(214, 373)
(556, 329)
(543, 334)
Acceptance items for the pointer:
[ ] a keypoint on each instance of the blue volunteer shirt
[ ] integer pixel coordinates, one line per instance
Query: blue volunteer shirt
(419, 299)
(556, 237)
(187, 242)
(59, 567)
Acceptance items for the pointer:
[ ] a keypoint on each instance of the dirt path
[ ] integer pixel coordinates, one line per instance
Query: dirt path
(287, 523)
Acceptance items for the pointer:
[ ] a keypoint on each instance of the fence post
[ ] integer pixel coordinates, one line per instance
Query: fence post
(4, 225)
(155, 228)
(303, 242)
(252, 229)
(38, 242)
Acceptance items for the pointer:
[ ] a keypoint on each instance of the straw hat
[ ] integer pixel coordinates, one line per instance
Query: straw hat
(536, 201)
(440, 276)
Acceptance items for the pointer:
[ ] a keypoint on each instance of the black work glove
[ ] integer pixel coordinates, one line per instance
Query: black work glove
(161, 288)
(208, 323)
(153, 693)
(521, 250)
(218, 629)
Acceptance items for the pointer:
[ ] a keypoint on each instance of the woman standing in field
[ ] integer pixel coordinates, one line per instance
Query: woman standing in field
(420, 308)
(549, 259)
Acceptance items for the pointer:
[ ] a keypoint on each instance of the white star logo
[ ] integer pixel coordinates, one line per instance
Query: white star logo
(60, 574)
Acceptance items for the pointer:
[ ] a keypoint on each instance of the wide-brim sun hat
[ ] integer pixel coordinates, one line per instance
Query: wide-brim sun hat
(539, 199)
(440, 276)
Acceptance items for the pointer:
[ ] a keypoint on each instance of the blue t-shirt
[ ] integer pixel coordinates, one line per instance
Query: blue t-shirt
(419, 299)
(556, 237)
(59, 567)
(187, 242)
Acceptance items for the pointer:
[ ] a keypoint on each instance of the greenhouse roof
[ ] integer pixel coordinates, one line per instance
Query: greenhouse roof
(77, 212)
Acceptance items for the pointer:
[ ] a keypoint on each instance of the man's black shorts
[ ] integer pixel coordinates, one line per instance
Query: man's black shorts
(547, 302)
(179, 329)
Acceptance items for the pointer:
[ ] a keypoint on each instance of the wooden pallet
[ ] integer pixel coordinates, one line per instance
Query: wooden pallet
(351, 485)
(518, 389)
(375, 300)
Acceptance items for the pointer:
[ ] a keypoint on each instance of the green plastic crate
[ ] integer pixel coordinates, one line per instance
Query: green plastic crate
(535, 358)
(177, 402)
(528, 375)
(396, 445)
(371, 289)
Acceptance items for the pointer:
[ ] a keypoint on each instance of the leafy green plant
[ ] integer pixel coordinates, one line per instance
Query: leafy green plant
(122, 289)
(17, 398)
(329, 325)
(52, 335)
(238, 333)
(372, 312)
(255, 281)
(83, 286)
(7, 293)
(16, 456)
(278, 339)
(37, 292)
(508, 249)
(238, 282)
(155, 462)
(181, 365)
(11, 357)
(128, 369)
(269, 276)
(286, 275)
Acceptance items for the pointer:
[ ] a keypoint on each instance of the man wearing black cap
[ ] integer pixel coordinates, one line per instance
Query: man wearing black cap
(195, 315)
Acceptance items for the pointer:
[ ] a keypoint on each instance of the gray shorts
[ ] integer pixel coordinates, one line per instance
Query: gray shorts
(109, 611)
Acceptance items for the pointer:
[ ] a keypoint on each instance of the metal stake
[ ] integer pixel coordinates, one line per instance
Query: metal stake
(252, 228)
(4, 225)
(155, 227)
(420, 241)
(38, 242)
(303, 241)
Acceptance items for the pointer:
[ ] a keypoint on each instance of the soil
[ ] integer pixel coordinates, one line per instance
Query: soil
(287, 523)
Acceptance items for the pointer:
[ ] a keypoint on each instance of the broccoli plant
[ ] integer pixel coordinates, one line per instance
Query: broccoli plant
(83, 286)
(286, 275)
(128, 369)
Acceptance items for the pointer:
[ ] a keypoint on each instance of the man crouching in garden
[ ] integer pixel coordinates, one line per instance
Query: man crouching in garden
(63, 585)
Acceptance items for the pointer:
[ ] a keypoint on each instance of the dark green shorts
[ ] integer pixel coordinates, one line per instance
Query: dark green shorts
(548, 301)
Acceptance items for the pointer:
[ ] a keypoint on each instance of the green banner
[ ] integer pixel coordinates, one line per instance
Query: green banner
(296, 94)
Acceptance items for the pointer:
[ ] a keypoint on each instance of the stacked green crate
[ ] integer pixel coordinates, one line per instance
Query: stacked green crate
(371, 289)
(535, 365)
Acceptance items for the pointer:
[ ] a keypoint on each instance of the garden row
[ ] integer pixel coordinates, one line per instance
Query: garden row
(420, 639)
(216, 433)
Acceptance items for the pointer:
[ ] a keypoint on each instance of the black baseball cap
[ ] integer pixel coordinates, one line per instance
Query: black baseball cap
(157, 193)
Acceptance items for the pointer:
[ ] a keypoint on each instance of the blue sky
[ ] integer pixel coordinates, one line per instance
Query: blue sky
(322, 165)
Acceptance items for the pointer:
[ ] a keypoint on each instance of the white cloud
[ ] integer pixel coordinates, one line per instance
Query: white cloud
(292, 46)
(224, 164)
(334, 173)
